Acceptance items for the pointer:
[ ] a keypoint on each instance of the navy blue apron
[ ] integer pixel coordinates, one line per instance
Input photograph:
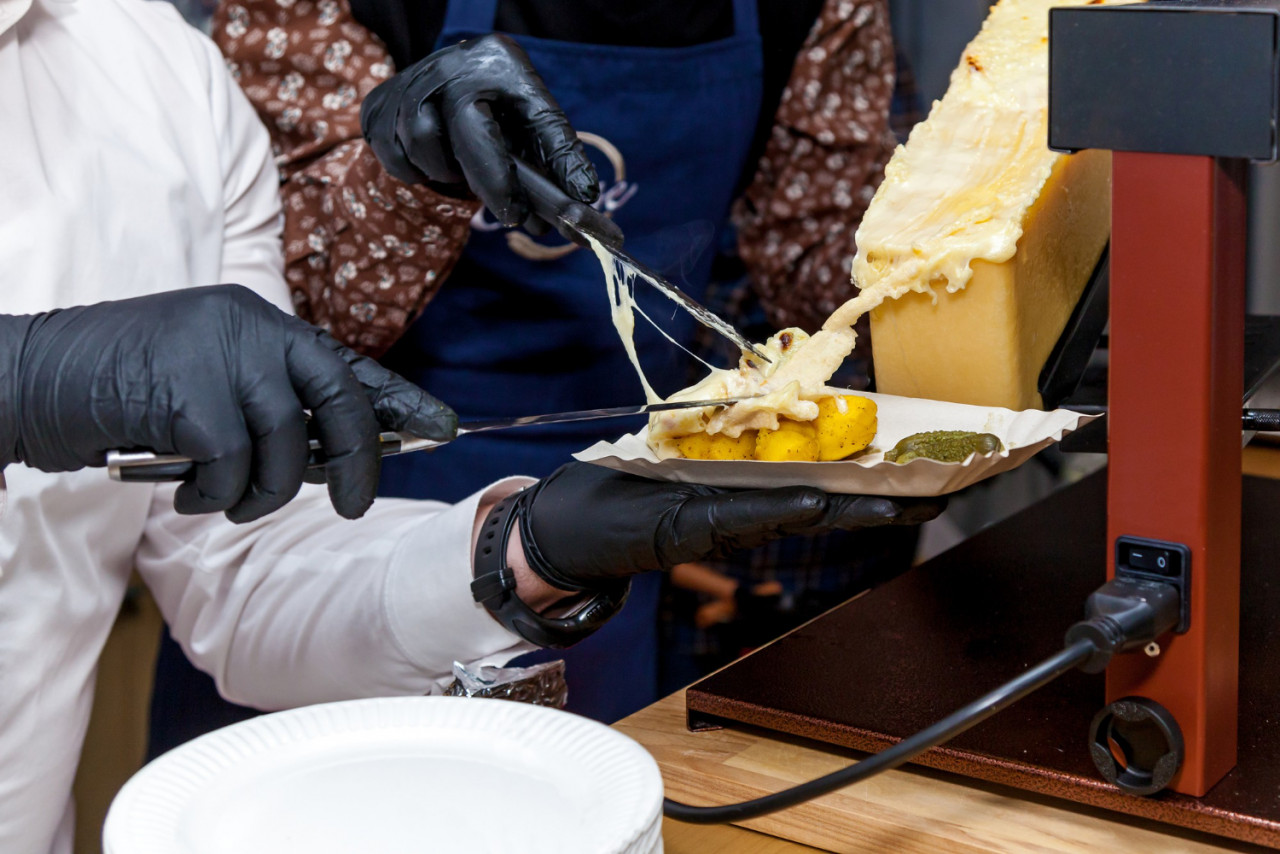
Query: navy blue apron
(523, 327)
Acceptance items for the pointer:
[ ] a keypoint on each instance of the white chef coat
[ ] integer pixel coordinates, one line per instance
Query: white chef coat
(131, 164)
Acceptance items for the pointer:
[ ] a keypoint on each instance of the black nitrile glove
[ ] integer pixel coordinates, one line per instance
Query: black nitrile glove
(455, 118)
(586, 524)
(216, 374)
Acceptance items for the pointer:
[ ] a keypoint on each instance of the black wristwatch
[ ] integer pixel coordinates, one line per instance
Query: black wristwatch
(495, 585)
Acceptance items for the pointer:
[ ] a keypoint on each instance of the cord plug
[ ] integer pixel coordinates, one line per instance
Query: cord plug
(1123, 615)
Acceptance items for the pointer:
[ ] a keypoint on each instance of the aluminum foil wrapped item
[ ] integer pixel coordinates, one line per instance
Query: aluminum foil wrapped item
(540, 685)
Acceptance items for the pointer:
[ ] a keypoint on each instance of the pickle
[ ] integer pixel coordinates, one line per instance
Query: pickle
(945, 446)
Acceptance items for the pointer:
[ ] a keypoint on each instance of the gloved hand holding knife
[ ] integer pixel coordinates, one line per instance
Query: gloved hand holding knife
(216, 374)
(477, 115)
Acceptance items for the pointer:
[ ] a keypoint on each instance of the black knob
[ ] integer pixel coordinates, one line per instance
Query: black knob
(1136, 745)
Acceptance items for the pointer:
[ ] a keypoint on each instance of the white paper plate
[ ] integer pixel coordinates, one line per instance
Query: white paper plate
(385, 776)
(1023, 433)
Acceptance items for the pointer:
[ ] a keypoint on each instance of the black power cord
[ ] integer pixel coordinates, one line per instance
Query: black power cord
(1122, 615)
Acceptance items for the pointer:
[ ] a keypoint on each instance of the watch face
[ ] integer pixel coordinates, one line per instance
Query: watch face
(597, 610)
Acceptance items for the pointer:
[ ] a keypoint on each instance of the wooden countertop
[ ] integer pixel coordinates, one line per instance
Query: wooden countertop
(910, 811)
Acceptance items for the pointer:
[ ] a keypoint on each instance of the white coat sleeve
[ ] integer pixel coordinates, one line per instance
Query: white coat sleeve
(302, 606)
(252, 251)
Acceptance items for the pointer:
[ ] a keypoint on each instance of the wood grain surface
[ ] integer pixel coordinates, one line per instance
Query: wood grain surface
(912, 811)
(681, 838)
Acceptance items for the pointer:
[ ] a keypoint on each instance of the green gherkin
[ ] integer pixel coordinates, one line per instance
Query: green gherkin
(946, 446)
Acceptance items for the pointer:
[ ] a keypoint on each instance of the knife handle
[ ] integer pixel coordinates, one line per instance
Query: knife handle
(150, 467)
(554, 205)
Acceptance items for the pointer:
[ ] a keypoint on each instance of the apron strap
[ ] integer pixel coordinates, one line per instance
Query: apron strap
(746, 18)
(468, 17)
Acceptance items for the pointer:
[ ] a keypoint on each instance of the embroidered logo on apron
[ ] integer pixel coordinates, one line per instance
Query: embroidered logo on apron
(613, 195)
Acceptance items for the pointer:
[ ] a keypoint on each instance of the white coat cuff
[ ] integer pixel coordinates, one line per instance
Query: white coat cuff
(428, 592)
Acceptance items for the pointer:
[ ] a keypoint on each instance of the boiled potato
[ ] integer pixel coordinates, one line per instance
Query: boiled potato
(793, 441)
(707, 446)
(843, 433)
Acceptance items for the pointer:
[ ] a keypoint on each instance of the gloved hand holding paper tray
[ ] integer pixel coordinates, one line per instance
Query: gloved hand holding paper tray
(1022, 433)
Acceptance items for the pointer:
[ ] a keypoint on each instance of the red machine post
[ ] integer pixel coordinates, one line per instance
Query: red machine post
(1176, 383)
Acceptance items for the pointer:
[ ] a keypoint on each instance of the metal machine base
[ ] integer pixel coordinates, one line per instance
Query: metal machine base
(883, 666)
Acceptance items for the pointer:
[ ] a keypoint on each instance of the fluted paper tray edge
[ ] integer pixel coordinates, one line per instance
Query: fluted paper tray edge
(1024, 434)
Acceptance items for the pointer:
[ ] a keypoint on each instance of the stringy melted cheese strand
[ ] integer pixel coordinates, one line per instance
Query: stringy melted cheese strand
(619, 282)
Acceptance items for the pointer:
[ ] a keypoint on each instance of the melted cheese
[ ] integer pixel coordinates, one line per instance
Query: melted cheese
(956, 192)
(789, 385)
(959, 193)
(620, 280)
(785, 386)
(976, 199)
(986, 344)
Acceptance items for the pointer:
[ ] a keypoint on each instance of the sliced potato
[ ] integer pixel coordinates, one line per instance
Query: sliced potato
(707, 446)
(793, 441)
(843, 433)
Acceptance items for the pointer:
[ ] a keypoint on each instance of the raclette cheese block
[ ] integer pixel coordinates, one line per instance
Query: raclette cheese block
(971, 256)
(979, 242)
(986, 344)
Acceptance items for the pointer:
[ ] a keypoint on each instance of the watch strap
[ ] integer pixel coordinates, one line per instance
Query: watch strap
(494, 586)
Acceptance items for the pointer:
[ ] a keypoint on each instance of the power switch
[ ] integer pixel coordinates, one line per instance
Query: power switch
(1160, 561)
(1157, 560)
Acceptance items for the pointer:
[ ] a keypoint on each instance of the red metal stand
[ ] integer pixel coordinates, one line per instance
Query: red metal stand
(1176, 369)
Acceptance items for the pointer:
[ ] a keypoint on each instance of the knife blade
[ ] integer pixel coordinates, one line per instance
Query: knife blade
(575, 221)
(150, 467)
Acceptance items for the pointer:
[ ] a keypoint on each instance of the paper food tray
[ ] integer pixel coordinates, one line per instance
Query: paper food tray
(1022, 433)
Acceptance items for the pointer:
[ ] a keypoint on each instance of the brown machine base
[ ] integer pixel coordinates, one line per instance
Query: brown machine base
(888, 664)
